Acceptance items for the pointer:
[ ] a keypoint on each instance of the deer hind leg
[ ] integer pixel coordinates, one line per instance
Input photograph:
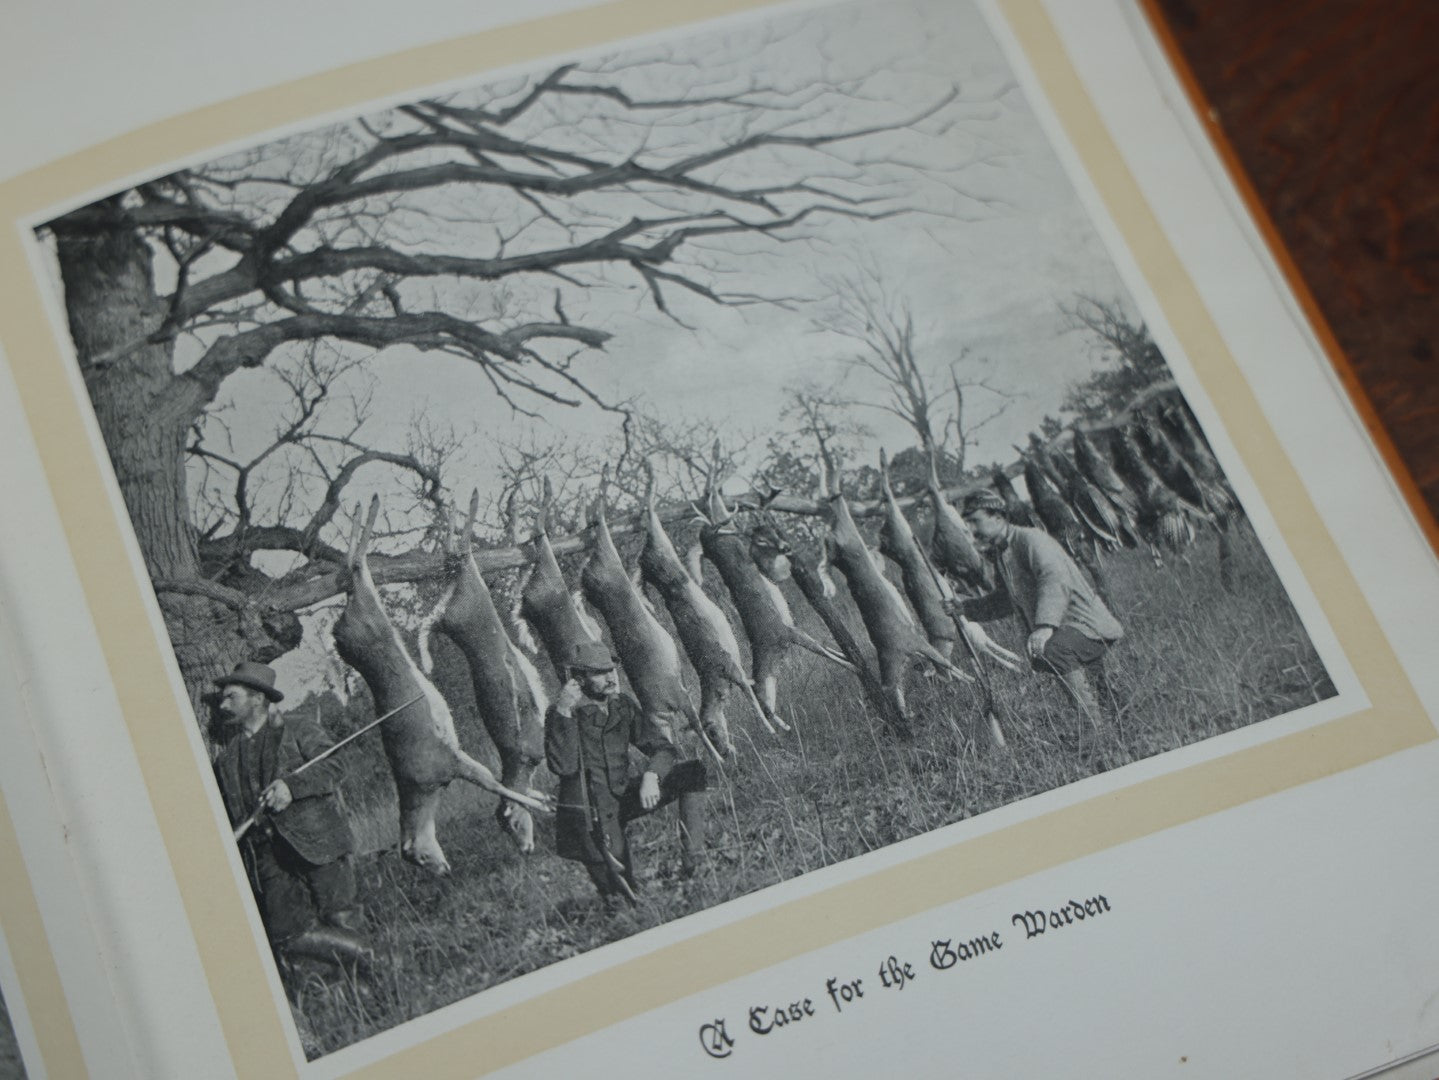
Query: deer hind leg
(766, 685)
(517, 767)
(804, 641)
(471, 771)
(713, 691)
(893, 667)
(417, 828)
(516, 771)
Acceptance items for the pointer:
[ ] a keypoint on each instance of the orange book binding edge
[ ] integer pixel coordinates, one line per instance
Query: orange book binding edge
(1293, 276)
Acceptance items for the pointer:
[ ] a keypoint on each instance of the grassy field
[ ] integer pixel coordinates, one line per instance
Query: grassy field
(1196, 662)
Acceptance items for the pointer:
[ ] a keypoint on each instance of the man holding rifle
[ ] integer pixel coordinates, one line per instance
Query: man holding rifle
(298, 849)
(588, 733)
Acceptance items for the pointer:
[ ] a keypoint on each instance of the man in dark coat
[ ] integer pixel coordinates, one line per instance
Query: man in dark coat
(1070, 629)
(588, 734)
(298, 851)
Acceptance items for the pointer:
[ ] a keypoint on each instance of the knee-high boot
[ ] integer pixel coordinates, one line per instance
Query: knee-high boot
(1085, 701)
(692, 831)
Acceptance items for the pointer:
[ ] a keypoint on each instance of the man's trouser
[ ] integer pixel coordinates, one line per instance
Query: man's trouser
(295, 893)
(1070, 655)
(686, 783)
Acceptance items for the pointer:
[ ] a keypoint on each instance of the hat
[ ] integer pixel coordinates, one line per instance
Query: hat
(259, 677)
(984, 500)
(591, 656)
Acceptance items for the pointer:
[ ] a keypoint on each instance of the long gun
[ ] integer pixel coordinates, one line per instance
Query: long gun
(244, 826)
(986, 686)
(613, 867)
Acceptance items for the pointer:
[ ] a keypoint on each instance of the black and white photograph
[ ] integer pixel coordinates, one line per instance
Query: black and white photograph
(588, 495)
(12, 1065)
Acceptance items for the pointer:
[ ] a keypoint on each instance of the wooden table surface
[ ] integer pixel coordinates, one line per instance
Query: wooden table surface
(1332, 109)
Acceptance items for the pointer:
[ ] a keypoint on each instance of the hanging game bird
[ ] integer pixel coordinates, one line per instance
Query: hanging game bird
(1015, 508)
(1105, 488)
(1207, 498)
(1057, 515)
(1161, 519)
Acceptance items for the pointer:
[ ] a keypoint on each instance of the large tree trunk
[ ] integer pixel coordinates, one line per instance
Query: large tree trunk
(111, 304)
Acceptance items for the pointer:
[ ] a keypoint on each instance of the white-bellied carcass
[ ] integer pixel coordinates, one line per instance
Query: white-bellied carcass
(509, 694)
(708, 639)
(921, 585)
(892, 628)
(419, 740)
(646, 652)
(547, 607)
(763, 611)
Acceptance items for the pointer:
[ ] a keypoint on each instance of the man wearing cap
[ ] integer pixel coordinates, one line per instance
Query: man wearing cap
(298, 852)
(1069, 627)
(588, 733)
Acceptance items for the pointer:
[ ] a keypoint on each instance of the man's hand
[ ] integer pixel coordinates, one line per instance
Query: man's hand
(276, 797)
(1038, 640)
(570, 696)
(649, 791)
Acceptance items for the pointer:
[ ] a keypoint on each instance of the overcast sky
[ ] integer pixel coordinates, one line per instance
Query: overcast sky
(1002, 242)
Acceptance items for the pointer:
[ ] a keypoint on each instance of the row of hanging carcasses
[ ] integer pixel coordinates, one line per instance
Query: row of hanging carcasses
(1161, 471)
(1156, 483)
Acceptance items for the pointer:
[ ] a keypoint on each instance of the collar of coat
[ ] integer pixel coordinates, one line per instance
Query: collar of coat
(603, 707)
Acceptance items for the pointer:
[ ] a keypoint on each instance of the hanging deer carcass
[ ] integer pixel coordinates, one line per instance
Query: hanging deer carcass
(955, 552)
(509, 695)
(708, 639)
(419, 740)
(547, 607)
(763, 611)
(892, 628)
(897, 540)
(646, 652)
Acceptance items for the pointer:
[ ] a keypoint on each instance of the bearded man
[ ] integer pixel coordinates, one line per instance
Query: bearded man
(299, 850)
(588, 734)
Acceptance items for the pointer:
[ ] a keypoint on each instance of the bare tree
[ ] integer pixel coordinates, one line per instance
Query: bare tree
(1132, 360)
(481, 227)
(882, 326)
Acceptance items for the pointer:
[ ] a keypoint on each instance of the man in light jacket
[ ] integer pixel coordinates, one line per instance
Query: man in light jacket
(1069, 627)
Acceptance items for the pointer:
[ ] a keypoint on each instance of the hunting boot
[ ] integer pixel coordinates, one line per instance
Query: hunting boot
(692, 833)
(1083, 694)
(1104, 688)
(334, 944)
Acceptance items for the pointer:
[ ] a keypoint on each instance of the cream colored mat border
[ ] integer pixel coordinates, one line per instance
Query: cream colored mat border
(29, 945)
(250, 1015)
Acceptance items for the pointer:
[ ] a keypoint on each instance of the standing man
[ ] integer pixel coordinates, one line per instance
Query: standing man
(588, 733)
(298, 851)
(1069, 627)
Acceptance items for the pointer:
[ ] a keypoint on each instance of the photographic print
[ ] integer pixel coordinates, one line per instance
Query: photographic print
(12, 1066)
(590, 495)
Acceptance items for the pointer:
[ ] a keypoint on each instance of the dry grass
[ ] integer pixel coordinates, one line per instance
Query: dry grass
(1197, 662)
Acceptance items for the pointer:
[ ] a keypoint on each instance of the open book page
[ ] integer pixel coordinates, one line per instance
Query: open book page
(806, 542)
(43, 921)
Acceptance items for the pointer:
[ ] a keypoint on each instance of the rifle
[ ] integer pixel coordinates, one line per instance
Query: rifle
(613, 867)
(986, 686)
(244, 826)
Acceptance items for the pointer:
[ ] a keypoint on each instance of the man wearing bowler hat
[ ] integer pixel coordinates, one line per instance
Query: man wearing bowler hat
(298, 852)
(588, 733)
